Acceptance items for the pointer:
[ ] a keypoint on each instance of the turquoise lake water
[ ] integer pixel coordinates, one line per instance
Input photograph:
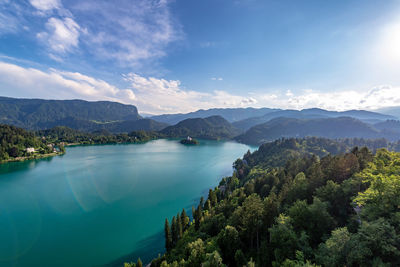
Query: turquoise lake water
(100, 205)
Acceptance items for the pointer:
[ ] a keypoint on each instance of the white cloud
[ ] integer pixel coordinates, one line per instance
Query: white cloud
(161, 96)
(54, 84)
(153, 95)
(62, 35)
(129, 32)
(217, 79)
(46, 5)
(377, 97)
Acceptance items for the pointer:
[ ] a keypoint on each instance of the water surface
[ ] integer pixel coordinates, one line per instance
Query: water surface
(101, 204)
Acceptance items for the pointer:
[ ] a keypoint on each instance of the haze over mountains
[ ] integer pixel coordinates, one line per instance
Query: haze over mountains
(247, 125)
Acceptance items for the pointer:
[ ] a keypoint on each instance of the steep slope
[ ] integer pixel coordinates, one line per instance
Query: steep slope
(342, 127)
(39, 113)
(214, 127)
(314, 113)
(113, 127)
(230, 114)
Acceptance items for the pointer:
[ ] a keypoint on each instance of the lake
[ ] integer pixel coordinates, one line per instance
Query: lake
(103, 204)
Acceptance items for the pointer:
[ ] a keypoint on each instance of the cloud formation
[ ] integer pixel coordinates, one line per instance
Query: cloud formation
(167, 96)
(156, 96)
(54, 84)
(62, 35)
(131, 33)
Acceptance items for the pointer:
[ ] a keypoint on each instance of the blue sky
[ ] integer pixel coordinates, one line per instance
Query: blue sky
(177, 56)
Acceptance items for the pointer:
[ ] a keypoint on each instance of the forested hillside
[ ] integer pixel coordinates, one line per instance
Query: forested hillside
(41, 114)
(214, 127)
(342, 127)
(62, 134)
(335, 210)
(15, 141)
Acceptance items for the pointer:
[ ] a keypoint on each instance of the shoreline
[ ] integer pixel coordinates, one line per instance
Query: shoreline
(38, 156)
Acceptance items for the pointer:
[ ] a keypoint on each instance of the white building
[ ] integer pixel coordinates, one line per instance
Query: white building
(30, 149)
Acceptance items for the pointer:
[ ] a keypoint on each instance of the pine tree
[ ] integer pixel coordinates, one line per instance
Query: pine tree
(174, 230)
(168, 237)
(139, 263)
(202, 202)
(179, 226)
(193, 211)
(212, 197)
(197, 218)
(184, 220)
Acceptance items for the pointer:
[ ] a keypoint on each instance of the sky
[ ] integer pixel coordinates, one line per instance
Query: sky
(171, 56)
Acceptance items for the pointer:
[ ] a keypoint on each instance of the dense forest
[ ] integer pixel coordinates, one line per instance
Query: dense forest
(66, 135)
(15, 141)
(40, 114)
(286, 206)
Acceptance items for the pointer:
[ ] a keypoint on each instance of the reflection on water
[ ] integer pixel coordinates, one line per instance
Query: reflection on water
(97, 204)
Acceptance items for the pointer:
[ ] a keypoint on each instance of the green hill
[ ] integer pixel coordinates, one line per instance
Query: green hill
(214, 127)
(342, 127)
(41, 114)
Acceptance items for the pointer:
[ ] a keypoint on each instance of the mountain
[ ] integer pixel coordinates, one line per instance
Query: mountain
(38, 113)
(230, 114)
(342, 127)
(388, 126)
(113, 127)
(214, 127)
(393, 111)
(314, 113)
(129, 126)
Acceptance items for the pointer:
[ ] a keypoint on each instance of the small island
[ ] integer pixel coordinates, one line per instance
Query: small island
(189, 141)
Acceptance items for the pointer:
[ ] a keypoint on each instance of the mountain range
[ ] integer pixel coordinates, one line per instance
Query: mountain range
(248, 125)
(230, 114)
(334, 128)
(314, 113)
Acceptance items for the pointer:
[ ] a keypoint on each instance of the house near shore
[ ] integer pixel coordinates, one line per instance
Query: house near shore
(30, 149)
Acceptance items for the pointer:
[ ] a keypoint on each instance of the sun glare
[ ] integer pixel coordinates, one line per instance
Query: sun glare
(389, 44)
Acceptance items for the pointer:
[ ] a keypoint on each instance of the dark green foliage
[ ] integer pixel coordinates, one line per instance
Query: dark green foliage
(67, 135)
(337, 210)
(168, 236)
(188, 141)
(15, 141)
(41, 114)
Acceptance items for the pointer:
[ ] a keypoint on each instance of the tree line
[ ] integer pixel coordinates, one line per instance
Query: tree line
(333, 210)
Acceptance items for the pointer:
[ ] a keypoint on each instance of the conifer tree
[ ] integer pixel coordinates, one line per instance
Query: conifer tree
(212, 197)
(179, 226)
(184, 220)
(168, 237)
(139, 263)
(174, 230)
